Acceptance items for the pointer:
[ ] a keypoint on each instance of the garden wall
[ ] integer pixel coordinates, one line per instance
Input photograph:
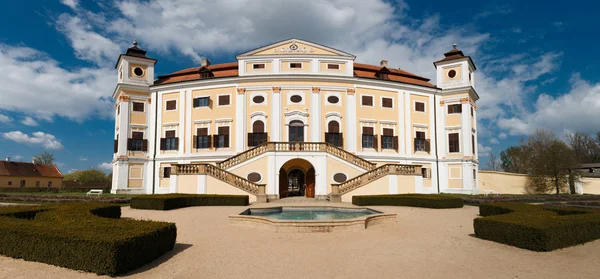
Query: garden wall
(513, 183)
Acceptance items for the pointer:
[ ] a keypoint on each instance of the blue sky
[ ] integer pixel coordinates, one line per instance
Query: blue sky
(537, 63)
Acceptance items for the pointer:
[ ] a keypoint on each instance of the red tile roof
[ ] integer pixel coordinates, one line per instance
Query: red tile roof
(28, 169)
(231, 70)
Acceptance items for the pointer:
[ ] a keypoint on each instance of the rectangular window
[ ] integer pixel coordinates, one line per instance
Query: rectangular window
(474, 174)
(137, 142)
(420, 142)
(387, 102)
(201, 102)
(22, 183)
(453, 143)
(37, 184)
(420, 106)
(224, 100)
(9, 183)
(295, 65)
(170, 142)
(471, 111)
(256, 139)
(258, 66)
(368, 137)
(473, 143)
(167, 172)
(138, 106)
(387, 139)
(49, 183)
(367, 100)
(202, 138)
(457, 108)
(334, 139)
(222, 139)
(172, 105)
(333, 66)
(137, 135)
(425, 172)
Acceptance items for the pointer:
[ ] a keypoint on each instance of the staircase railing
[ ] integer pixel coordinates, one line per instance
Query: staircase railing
(297, 147)
(220, 174)
(377, 173)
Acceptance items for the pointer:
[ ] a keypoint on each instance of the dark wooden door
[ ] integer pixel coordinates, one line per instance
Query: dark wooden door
(283, 184)
(310, 182)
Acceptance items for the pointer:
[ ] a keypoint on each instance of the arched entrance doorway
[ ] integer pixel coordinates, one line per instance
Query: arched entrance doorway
(297, 178)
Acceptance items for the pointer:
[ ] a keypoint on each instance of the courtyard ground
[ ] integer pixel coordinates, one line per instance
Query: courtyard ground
(423, 243)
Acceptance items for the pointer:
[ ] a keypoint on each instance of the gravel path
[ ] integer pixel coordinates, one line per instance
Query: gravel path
(424, 243)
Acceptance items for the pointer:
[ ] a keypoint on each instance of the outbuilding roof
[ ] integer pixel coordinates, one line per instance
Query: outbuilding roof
(9, 168)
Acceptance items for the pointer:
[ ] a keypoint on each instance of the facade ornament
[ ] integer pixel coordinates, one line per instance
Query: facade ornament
(465, 100)
(316, 89)
(149, 100)
(276, 89)
(442, 103)
(124, 98)
(351, 91)
(241, 90)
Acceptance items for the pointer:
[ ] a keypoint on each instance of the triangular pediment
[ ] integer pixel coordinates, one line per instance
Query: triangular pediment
(295, 47)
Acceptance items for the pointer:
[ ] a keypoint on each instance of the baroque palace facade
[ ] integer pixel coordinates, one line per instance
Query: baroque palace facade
(294, 118)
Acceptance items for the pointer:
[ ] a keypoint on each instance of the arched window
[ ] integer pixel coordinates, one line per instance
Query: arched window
(333, 127)
(258, 126)
(296, 131)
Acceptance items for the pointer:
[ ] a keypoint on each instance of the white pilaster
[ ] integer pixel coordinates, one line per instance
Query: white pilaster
(240, 120)
(409, 127)
(431, 132)
(181, 105)
(320, 166)
(273, 174)
(315, 115)
(276, 66)
(173, 183)
(465, 130)
(419, 184)
(393, 184)
(276, 116)
(442, 138)
(202, 184)
(350, 135)
(188, 122)
(123, 127)
(403, 128)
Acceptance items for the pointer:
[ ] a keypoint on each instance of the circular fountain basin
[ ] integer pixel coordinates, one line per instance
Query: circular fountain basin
(311, 219)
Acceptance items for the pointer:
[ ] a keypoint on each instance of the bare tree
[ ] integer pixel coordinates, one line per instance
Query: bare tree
(45, 158)
(549, 162)
(585, 148)
(494, 164)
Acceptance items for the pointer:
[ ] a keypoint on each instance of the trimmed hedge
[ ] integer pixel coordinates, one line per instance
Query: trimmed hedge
(537, 228)
(27, 190)
(82, 236)
(174, 201)
(415, 200)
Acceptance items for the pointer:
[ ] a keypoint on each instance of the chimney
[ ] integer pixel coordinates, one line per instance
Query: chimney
(383, 63)
(204, 62)
(7, 159)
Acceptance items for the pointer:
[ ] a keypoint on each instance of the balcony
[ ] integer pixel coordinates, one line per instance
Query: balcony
(137, 144)
(334, 139)
(256, 139)
(169, 143)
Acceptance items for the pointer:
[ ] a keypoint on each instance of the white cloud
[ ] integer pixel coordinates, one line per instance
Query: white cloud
(575, 111)
(483, 151)
(17, 157)
(5, 118)
(71, 3)
(47, 90)
(72, 170)
(494, 141)
(48, 141)
(81, 158)
(105, 166)
(502, 135)
(29, 121)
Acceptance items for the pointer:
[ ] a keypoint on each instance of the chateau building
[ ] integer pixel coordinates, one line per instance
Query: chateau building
(294, 118)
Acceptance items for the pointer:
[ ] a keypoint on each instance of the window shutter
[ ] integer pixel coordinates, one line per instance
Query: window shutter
(209, 141)
(129, 143)
(388, 132)
(375, 139)
(195, 142)
(250, 141)
(226, 141)
(215, 139)
(202, 131)
(224, 100)
(341, 140)
(144, 145)
(176, 143)
(427, 146)
(170, 134)
(395, 143)
(162, 172)
(163, 143)
(116, 145)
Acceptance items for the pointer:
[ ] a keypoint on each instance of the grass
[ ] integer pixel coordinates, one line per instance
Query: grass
(63, 193)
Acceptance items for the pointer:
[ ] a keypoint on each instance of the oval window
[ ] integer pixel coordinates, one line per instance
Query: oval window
(339, 177)
(138, 71)
(333, 99)
(258, 99)
(254, 177)
(451, 73)
(296, 99)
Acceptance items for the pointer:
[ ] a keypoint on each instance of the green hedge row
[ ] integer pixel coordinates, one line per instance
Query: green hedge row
(82, 236)
(537, 228)
(174, 201)
(416, 200)
(28, 190)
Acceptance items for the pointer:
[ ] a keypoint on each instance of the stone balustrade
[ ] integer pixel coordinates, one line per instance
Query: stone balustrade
(220, 174)
(366, 178)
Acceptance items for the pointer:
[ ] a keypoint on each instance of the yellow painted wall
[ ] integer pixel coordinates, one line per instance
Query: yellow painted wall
(133, 66)
(334, 166)
(215, 112)
(30, 182)
(285, 66)
(292, 81)
(215, 186)
(323, 67)
(376, 112)
(259, 166)
(458, 73)
(187, 184)
(137, 117)
(136, 176)
(378, 187)
(170, 116)
(455, 176)
(591, 185)
(292, 107)
(502, 182)
(406, 184)
(453, 119)
(164, 182)
(263, 107)
(250, 69)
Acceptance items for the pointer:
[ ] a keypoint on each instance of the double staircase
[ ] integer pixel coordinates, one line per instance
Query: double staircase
(372, 172)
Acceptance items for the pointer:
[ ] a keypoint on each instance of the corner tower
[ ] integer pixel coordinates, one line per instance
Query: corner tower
(457, 123)
(133, 115)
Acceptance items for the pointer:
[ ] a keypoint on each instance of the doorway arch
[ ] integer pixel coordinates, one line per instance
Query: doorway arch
(296, 176)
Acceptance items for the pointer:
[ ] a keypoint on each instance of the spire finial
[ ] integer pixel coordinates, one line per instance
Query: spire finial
(454, 45)
(135, 42)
